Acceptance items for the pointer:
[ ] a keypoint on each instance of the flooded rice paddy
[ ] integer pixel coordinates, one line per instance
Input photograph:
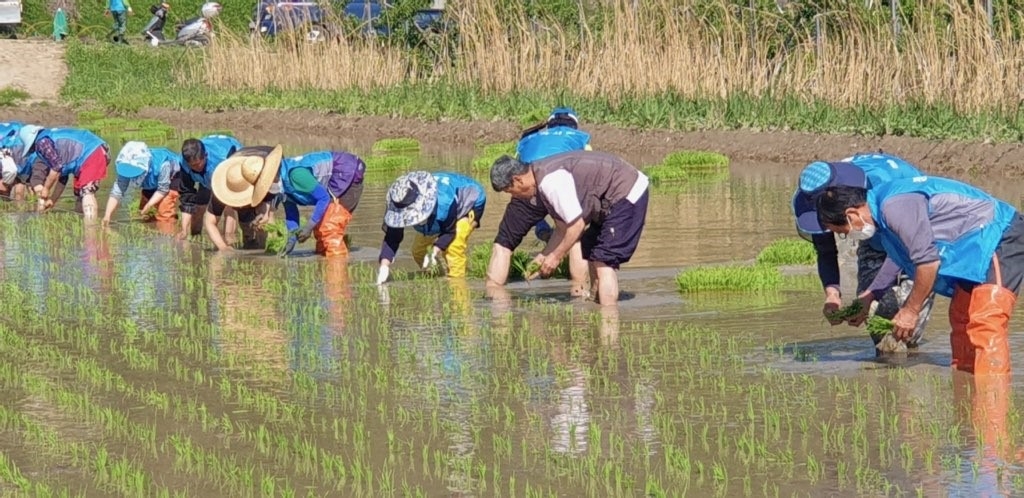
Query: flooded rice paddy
(138, 365)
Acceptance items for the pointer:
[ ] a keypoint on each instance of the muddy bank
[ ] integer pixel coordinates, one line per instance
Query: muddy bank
(957, 159)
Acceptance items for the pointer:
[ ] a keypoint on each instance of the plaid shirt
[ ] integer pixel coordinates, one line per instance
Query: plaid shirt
(47, 149)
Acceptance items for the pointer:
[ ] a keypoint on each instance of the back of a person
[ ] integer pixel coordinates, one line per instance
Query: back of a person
(160, 157)
(880, 168)
(218, 148)
(551, 141)
(73, 146)
(600, 179)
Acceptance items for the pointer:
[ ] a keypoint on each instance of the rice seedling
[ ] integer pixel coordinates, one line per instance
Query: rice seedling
(396, 145)
(519, 267)
(846, 312)
(878, 326)
(491, 152)
(387, 164)
(277, 237)
(729, 278)
(789, 251)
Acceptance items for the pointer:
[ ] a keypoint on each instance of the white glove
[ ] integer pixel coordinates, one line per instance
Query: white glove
(382, 274)
(430, 259)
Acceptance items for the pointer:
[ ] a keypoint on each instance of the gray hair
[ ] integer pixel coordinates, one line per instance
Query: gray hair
(504, 169)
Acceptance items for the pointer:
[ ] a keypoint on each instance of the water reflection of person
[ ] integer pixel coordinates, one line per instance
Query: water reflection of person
(248, 325)
(986, 403)
(97, 265)
(311, 334)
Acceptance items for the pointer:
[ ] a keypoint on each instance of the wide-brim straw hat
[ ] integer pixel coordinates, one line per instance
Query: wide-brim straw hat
(412, 198)
(244, 179)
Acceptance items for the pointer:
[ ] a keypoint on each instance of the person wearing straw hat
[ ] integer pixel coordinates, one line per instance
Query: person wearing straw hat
(64, 152)
(151, 169)
(865, 170)
(444, 208)
(246, 181)
(332, 182)
(202, 156)
(559, 133)
(596, 199)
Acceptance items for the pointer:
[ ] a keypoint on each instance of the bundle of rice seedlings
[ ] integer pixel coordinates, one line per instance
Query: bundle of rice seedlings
(789, 251)
(385, 145)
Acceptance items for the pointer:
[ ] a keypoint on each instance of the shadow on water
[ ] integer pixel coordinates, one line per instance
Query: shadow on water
(245, 373)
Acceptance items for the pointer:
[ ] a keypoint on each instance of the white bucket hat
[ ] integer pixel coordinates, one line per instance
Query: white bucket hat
(133, 160)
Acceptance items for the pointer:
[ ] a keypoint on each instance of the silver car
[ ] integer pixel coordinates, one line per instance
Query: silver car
(10, 13)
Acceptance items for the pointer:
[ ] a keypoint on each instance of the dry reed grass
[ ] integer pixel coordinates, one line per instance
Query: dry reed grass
(664, 47)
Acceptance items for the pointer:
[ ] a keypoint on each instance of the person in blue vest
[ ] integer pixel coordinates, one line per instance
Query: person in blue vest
(14, 164)
(865, 170)
(559, 133)
(202, 156)
(60, 153)
(444, 208)
(246, 183)
(332, 182)
(151, 169)
(957, 241)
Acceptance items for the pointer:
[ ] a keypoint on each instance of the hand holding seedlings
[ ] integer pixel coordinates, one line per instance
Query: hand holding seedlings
(904, 323)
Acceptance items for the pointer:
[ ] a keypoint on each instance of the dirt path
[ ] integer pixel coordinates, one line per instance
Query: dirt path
(957, 159)
(36, 66)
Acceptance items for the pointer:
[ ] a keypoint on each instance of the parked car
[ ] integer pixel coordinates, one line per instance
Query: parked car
(10, 16)
(273, 17)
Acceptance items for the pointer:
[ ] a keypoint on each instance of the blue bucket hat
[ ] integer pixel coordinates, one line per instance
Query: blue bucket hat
(133, 160)
(814, 179)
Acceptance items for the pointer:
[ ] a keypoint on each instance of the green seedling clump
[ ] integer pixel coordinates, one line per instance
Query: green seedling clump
(878, 326)
(387, 163)
(846, 312)
(396, 145)
(492, 152)
(687, 166)
(729, 278)
(521, 265)
(277, 237)
(789, 251)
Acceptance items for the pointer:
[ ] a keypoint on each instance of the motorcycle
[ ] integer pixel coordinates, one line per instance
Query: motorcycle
(194, 32)
(154, 30)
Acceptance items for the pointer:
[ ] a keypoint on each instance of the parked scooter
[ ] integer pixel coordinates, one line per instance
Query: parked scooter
(194, 32)
(154, 30)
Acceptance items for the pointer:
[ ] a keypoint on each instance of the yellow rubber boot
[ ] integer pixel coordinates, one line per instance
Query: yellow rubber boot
(455, 256)
(421, 246)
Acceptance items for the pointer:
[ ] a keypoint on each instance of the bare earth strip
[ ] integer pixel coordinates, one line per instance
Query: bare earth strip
(36, 66)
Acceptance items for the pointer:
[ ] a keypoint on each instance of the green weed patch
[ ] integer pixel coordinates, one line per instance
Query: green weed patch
(491, 152)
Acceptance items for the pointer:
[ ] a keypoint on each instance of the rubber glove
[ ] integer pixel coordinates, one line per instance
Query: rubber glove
(430, 259)
(382, 274)
(304, 233)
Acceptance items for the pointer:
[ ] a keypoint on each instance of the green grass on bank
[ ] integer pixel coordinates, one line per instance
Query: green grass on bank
(147, 77)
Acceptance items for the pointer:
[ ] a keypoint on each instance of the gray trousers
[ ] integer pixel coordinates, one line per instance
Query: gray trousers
(869, 262)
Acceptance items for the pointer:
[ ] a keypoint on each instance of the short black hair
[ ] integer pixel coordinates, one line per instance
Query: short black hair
(834, 201)
(192, 149)
(504, 169)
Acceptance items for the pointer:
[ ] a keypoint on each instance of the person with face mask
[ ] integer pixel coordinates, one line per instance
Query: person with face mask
(865, 170)
(201, 157)
(958, 241)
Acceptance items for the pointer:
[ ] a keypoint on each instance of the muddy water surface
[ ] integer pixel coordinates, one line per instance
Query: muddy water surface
(138, 365)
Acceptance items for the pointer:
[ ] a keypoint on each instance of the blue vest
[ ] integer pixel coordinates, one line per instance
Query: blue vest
(218, 148)
(319, 164)
(968, 256)
(161, 157)
(551, 141)
(9, 139)
(73, 145)
(881, 168)
(9, 127)
(448, 185)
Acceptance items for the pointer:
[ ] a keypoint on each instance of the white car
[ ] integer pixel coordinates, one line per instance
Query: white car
(10, 13)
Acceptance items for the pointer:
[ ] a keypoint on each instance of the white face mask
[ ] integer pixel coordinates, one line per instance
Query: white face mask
(865, 233)
(275, 188)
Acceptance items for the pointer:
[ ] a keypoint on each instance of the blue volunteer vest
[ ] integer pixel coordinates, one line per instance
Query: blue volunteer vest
(218, 148)
(73, 145)
(310, 162)
(161, 158)
(969, 256)
(9, 128)
(551, 141)
(448, 185)
(882, 168)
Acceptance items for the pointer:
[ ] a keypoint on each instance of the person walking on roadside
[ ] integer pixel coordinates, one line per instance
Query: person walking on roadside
(152, 169)
(64, 152)
(596, 199)
(332, 182)
(958, 241)
(444, 208)
(559, 133)
(865, 170)
(119, 10)
(246, 182)
(202, 156)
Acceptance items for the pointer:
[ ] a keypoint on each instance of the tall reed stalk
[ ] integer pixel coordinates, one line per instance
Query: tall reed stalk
(947, 55)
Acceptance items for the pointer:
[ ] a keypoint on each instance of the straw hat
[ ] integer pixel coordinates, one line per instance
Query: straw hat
(244, 179)
(411, 200)
(133, 160)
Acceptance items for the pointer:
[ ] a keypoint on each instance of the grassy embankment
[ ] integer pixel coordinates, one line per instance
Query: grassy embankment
(719, 73)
